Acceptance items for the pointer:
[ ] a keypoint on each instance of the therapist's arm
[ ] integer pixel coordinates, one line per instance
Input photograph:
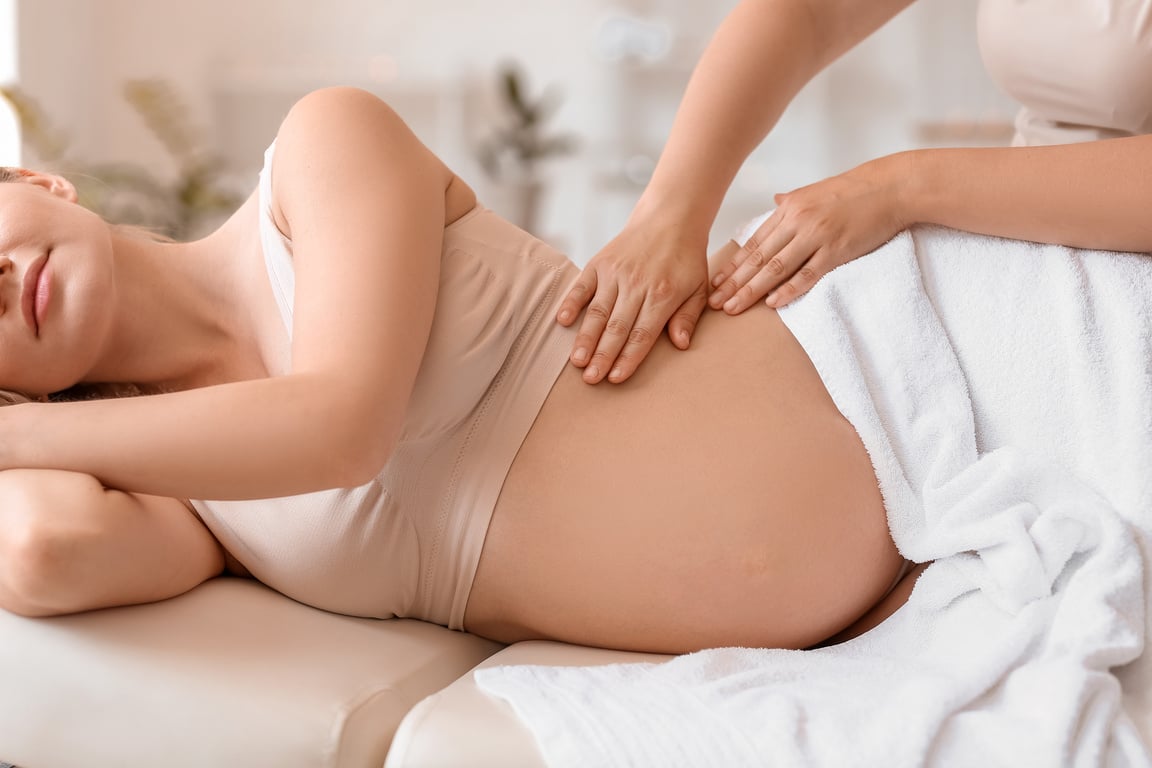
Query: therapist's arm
(764, 52)
(1095, 194)
(654, 272)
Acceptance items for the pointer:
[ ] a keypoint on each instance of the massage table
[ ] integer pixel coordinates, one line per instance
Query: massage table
(235, 674)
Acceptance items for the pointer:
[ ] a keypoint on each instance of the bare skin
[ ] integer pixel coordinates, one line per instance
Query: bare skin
(90, 481)
(774, 534)
(653, 274)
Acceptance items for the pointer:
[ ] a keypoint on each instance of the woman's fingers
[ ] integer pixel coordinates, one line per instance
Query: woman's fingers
(650, 324)
(758, 278)
(727, 267)
(620, 326)
(577, 298)
(600, 310)
(800, 282)
(813, 230)
(684, 320)
(761, 272)
(760, 253)
(643, 335)
(620, 329)
(643, 280)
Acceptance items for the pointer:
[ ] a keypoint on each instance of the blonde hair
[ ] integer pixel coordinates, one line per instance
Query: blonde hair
(12, 398)
(72, 394)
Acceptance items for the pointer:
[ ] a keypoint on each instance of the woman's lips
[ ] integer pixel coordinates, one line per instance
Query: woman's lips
(34, 298)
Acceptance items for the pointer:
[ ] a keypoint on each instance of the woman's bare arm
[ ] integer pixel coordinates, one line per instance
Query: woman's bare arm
(68, 544)
(1093, 194)
(654, 272)
(364, 201)
(764, 52)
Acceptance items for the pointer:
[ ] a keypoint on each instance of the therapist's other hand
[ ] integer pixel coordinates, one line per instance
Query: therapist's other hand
(813, 230)
(648, 276)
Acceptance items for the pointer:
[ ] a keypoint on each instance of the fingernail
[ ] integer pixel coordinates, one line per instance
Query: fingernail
(580, 356)
(770, 299)
(616, 374)
(717, 279)
(684, 337)
(565, 316)
(730, 304)
(592, 372)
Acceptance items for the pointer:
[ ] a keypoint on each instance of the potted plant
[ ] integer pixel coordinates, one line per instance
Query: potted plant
(514, 154)
(125, 193)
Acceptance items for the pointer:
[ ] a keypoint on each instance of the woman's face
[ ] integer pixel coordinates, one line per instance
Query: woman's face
(56, 285)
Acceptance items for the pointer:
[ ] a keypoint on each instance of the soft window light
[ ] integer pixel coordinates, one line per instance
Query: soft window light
(9, 135)
(9, 125)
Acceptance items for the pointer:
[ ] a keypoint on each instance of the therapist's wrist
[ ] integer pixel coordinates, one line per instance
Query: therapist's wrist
(914, 179)
(690, 219)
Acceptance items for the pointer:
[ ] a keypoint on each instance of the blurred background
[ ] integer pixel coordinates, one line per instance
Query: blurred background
(554, 110)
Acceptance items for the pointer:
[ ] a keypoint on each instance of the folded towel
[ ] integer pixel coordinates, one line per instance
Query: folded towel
(1003, 391)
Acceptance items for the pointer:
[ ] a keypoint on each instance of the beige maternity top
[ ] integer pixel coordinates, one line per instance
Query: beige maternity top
(408, 542)
(1082, 69)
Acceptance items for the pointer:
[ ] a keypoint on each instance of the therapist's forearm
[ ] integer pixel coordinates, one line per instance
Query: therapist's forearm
(1089, 195)
(763, 53)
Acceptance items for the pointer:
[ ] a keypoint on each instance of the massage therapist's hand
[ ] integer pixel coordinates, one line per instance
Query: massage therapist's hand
(813, 230)
(650, 275)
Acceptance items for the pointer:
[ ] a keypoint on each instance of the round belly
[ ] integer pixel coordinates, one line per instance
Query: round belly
(717, 498)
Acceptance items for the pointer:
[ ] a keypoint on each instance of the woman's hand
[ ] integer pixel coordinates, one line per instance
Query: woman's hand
(813, 230)
(649, 275)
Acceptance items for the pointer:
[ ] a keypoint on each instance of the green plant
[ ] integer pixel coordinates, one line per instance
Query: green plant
(126, 193)
(518, 146)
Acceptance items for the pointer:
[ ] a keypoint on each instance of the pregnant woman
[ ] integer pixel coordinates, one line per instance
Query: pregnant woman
(355, 391)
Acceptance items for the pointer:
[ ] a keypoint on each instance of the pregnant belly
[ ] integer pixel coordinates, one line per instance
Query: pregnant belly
(716, 498)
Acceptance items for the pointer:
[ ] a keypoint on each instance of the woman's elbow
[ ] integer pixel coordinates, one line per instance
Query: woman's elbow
(32, 559)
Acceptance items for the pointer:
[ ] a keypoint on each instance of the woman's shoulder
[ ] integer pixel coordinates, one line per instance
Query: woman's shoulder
(324, 122)
(334, 104)
(324, 119)
(344, 133)
(327, 115)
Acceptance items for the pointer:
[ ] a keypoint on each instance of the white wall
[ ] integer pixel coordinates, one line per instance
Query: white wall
(9, 73)
(60, 62)
(438, 57)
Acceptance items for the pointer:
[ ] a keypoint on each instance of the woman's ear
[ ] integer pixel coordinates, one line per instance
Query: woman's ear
(57, 185)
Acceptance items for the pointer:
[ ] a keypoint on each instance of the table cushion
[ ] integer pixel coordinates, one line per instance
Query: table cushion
(463, 726)
(229, 674)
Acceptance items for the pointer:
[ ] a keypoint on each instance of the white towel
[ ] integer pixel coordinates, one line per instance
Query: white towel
(1004, 393)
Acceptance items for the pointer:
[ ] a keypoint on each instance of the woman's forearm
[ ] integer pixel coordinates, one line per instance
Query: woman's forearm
(1089, 195)
(69, 544)
(251, 439)
(363, 203)
(761, 55)
(764, 52)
